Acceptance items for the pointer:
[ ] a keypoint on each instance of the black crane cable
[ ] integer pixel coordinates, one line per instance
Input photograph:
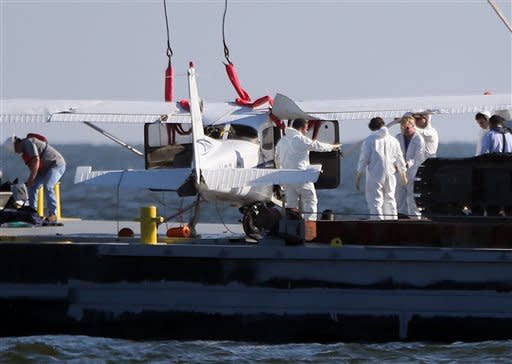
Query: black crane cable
(226, 49)
(169, 49)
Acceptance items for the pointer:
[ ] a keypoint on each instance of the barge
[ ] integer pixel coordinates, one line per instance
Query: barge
(384, 281)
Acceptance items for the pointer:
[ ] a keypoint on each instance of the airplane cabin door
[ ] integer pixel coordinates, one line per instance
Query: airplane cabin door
(326, 131)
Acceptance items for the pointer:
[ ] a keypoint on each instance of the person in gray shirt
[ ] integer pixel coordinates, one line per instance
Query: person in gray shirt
(46, 167)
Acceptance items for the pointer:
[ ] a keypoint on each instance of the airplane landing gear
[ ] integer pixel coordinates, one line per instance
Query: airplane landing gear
(259, 218)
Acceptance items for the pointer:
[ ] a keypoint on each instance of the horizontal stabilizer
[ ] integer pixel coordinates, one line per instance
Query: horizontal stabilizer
(157, 179)
(225, 179)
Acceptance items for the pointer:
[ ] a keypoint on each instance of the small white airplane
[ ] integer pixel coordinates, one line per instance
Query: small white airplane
(225, 152)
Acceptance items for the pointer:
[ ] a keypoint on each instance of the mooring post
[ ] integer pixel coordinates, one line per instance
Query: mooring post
(40, 201)
(149, 225)
(57, 197)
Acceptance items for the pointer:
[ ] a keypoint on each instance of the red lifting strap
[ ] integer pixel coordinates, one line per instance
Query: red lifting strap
(262, 100)
(279, 123)
(233, 77)
(244, 99)
(169, 84)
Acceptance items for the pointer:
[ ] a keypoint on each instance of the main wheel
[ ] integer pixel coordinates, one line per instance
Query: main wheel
(249, 223)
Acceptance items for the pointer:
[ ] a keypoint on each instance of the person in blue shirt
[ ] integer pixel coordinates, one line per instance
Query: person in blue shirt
(498, 139)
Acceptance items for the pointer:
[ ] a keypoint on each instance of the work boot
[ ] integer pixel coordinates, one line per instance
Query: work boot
(51, 220)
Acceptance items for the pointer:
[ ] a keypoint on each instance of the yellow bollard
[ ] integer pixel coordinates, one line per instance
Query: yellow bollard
(57, 197)
(149, 225)
(40, 200)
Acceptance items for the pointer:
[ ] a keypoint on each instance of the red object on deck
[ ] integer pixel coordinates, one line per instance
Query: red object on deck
(179, 232)
(169, 84)
(125, 233)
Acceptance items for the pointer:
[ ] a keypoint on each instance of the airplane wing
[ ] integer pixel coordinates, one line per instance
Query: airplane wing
(34, 111)
(358, 109)
(158, 179)
(108, 111)
(227, 178)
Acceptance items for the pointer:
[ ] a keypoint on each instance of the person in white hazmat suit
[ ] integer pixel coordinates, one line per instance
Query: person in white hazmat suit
(429, 134)
(413, 150)
(381, 157)
(292, 152)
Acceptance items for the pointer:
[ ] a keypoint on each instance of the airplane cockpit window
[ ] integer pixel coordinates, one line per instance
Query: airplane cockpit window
(167, 145)
(243, 132)
(267, 138)
(214, 131)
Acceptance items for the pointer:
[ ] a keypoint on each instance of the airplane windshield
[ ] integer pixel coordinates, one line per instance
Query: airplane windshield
(243, 132)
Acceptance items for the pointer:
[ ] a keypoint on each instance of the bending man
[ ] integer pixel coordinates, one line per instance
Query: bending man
(46, 167)
(292, 152)
(381, 157)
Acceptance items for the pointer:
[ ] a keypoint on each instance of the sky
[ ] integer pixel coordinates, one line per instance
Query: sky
(308, 50)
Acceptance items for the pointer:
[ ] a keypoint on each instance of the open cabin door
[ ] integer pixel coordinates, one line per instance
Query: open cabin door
(326, 131)
(168, 145)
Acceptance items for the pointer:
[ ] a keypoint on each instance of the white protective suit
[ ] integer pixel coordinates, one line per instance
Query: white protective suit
(414, 156)
(381, 157)
(431, 139)
(292, 151)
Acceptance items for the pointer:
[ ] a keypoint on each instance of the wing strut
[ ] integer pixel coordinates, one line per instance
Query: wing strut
(113, 138)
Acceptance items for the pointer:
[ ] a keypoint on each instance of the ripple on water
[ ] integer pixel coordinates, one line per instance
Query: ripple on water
(84, 349)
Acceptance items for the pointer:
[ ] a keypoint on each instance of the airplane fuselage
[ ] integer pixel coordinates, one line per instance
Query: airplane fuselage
(228, 155)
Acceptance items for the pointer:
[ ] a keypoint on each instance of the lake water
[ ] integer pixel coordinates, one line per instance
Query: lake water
(83, 349)
(107, 203)
(91, 202)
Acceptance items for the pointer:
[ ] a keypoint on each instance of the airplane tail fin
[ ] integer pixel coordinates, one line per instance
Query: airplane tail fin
(197, 120)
